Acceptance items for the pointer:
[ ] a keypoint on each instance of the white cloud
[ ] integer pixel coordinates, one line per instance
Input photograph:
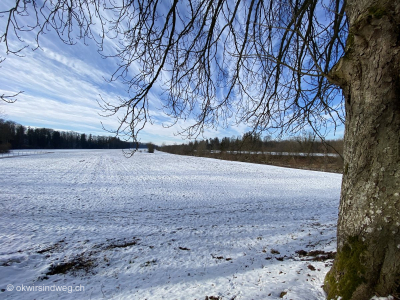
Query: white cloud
(62, 85)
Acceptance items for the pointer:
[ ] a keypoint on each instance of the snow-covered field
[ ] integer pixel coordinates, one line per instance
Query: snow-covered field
(160, 226)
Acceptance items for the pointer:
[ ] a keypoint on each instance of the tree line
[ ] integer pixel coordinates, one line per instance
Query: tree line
(307, 143)
(16, 136)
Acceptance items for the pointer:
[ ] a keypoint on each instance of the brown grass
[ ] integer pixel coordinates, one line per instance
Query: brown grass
(315, 163)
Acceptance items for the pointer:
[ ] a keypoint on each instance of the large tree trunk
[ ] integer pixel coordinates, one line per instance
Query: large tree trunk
(368, 258)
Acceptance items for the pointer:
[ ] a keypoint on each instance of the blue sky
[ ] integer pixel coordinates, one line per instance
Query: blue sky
(62, 85)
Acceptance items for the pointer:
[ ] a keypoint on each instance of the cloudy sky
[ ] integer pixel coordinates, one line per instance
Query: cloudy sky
(62, 85)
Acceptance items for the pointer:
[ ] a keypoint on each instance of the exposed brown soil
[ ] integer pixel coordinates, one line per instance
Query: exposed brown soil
(315, 163)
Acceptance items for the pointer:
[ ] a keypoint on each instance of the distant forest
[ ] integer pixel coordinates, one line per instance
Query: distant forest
(16, 136)
(306, 151)
(306, 143)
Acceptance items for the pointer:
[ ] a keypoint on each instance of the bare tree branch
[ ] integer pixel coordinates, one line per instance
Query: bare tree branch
(263, 63)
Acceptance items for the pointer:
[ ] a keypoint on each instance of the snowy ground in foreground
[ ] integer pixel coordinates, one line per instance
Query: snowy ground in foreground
(162, 226)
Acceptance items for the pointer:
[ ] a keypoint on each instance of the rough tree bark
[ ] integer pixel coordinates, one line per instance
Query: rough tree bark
(368, 259)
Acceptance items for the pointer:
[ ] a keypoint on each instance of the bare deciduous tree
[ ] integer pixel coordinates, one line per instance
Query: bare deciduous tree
(284, 65)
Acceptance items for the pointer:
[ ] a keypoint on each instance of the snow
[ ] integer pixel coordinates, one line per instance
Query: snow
(161, 226)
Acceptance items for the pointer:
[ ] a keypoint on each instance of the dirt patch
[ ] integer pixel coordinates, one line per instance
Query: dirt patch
(316, 255)
(184, 248)
(52, 248)
(74, 266)
(118, 243)
(123, 243)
